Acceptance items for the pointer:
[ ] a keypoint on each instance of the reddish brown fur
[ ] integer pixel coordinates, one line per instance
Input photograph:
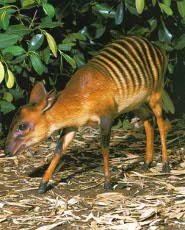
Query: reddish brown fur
(88, 99)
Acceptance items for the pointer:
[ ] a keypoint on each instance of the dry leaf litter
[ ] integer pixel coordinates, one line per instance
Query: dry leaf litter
(76, 198)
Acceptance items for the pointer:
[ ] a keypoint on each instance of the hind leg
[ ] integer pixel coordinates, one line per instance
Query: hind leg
(149, 129)
(146, 115)
(155, 103)
(105, 128)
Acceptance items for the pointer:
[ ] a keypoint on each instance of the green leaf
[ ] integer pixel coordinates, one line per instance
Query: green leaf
(127, 124)
(164, 46)
(11, 11)
(8, 1)
(6, 107)
(70, 38)
(118, 125)
(138, 30)
(84, 8)
(79, 58)
(119, 14)
(52, 44)
(140, 5)
(104, 9)
(1, 72)
(66, 46)
(45, 54)
(18, 69)
(153, 23)
(167, 2)
(73, 37)
(17, 93)
(93, 31)
(48, 9)
(20, 30)
(61, 64)
(70, 60)
(37, 63)
(131, 2)
(166, 9)
(18, 59)
(8, 57)
(4, 19)
(36, 42)
(163, 33)
(180, 42)
(8, 97)
(10, 79)
(79, 36)
(181, 7)
(46, 19)
(28, 3)
(15, 50)
(131, 7)
(154, 2)
(167, 103)
(7, 40)
(50, 24)
(170, 68)
(100, 29)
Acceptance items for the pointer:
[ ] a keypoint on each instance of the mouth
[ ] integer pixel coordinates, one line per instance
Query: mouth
(20, 150)
(16, 152)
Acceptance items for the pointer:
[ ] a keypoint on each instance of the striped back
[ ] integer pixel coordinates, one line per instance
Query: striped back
(132, 64)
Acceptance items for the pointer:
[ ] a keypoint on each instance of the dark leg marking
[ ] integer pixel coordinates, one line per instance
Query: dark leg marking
(105, 126)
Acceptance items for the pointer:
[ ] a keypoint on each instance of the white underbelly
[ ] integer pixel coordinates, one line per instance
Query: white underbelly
(132, 102)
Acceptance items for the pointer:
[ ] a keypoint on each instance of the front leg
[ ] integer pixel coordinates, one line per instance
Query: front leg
(64, 141)
(105, 128)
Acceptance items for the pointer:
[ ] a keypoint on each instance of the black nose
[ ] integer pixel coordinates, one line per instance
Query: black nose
(7, 153)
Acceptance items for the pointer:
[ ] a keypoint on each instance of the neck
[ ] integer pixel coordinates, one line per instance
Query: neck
(64, 112)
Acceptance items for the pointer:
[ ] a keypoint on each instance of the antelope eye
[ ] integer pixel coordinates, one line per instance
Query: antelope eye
(22, 127)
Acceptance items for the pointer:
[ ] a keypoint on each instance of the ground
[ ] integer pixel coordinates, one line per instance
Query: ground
(76, 198)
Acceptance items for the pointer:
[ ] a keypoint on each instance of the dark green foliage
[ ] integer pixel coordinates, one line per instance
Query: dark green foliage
(42, 40)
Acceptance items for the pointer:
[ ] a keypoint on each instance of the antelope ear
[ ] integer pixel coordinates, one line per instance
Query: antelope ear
(38, 94)
(49, 100)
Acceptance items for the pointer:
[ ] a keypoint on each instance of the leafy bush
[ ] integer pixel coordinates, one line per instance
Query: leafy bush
(47, 40)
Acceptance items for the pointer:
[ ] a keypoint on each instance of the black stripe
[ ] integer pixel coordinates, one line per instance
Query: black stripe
(161, 58)
(139, 47)
(133, 59)
(161, 64)
(104, 71)
(110, 56)
(102, 64)
(153, 52)
(137, 56)
(142, 42)
(123, 51)
(111, 66)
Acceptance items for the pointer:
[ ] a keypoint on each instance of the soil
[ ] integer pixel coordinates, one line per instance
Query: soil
(76, 198)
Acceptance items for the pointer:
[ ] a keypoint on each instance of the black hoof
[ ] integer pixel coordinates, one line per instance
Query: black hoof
(166, 168)
(42, 187)
(145, 167)
(107, 185)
